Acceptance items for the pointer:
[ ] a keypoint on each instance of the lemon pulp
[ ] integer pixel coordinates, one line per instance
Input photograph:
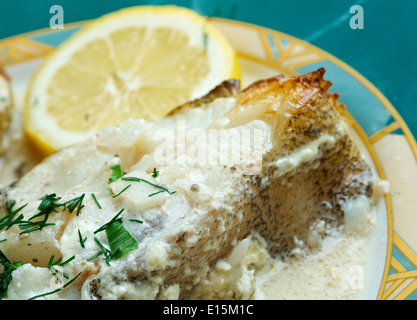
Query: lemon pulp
(138, 62)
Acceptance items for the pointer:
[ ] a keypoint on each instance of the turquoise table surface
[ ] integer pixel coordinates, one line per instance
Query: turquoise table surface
(384, 51)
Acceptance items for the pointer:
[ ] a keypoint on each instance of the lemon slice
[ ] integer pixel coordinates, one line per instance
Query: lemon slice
(138, 62)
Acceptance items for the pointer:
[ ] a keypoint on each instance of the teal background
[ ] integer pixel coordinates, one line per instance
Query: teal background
(384, 51)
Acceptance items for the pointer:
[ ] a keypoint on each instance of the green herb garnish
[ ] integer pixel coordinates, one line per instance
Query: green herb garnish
(119, 239)
(82, 241)
(116, 195)
(115, 218)
(6, 275)
(58, 262)
(75, 203)
(28, 226)
(48, 205)
(116, 173)
(155, 173)
(150, 183)
(95, 200)
(103, 250)
(55, 271)
(12, 184)
(136, 220)
(9, 219)
(155, 193)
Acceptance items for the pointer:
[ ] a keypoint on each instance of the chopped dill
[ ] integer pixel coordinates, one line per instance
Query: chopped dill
(58, 262)
(116, 195)
(48, 205)
(136, 220)
(75, 203)
(150, 183)
(6, 275)
(9, 219)
(95, 200)
(155, 193)
(103, 250)
(115, 218)
(82, 241)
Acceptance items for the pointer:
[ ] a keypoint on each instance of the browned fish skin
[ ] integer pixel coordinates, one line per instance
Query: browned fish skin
(226, 89)
(297, 199)
(287, 205)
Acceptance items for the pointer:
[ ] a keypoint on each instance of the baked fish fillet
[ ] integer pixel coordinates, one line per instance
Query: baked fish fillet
(290, 163)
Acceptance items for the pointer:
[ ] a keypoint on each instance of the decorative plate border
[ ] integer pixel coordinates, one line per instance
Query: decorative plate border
(291, 56)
